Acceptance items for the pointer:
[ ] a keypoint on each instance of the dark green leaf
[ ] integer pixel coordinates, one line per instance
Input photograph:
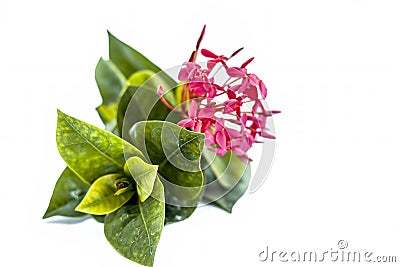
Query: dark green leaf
(128, 60)
(99, 218)
(110, 82)
(146, 104)
(68, 193)
(103, 196)
(135, 229)
(90, 151)
(140, 104)
(175, 214)
(144, 175)
(227, 180)
(177, 151)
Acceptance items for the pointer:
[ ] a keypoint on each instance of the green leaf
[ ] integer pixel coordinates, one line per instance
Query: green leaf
(134, 230)
(144, 175)
(228, 168)
(175, 214)
(145, 103)
(99, 218)
(110, 82)
(141, 104)
(103, 198)
(90, 151)
(68, 193)
(140, 101)
(178, 210)
(128, 60)
(227, 180)
(177, 151)
(140, 77)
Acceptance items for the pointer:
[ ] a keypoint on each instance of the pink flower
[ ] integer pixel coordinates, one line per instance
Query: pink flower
(192, 121)
(220, 137)
(215, 59)
(188, 71)
(249, 81)
(202, 86)
(218, 110)
(198, 120)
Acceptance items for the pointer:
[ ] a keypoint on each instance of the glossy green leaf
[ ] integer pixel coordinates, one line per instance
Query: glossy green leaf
(140, 104)
(99, 218)
(90, 151)
(68, 193)
(144, 175)
(229, 177)
(176, 209)
(152, 80)
(140, 101)
(103, 198)
(128, 60)
(177, 151)
(175, 214)
(135, 229)
(110, 82)
(228, 168)
(139, 78)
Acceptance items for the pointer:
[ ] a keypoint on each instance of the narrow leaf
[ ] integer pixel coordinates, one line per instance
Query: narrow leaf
(110, 82)
(127, 59)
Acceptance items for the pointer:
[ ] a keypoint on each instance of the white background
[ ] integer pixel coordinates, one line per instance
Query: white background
(332, 67)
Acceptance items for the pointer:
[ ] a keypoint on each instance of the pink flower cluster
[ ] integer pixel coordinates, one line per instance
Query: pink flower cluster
(231, 114)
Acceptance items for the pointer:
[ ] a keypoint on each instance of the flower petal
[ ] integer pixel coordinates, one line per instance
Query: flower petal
(252, 92)
(208, 53)
(209, 141)
(186, 123)
(220, 137)
(192, 109)
(254, 79)
(206, 112)
(245, 84)
(265, 134)
(236, 72)
(263, 89)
